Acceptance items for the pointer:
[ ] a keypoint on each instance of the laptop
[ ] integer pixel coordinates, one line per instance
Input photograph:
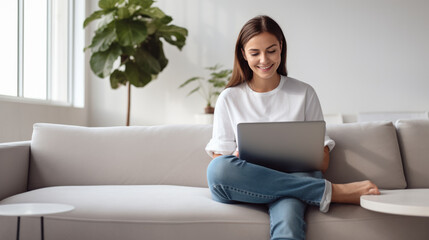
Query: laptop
(283, 146)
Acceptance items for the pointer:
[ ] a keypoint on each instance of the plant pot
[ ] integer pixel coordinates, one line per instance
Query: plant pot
(209, 110)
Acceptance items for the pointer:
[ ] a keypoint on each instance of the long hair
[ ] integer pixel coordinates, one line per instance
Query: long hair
(241, 71)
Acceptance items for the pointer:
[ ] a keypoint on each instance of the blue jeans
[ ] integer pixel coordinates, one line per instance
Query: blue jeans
(232, 180)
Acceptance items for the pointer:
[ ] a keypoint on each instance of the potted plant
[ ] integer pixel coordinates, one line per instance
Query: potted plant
(210, 88)
(127, 44)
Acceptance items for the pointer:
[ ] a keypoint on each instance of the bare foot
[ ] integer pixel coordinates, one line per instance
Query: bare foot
(351, 192)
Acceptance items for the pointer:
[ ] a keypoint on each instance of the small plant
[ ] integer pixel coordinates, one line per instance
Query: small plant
(210, 88)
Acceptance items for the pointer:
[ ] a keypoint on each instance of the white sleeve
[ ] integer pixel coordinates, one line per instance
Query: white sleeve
(223, 138)
(313, 112)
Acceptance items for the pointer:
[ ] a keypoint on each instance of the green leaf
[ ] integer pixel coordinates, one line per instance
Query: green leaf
(153, 12)
(194, 90)
(162, 59)
(135, 76)
(130, 32)
(129, 50)
(147, 62)
(174, 35)
(156, 24)
(106, 21)
(117, 78)
(102, 62)
(189, 81)
(141, 3)
(95, 15)
(155, 47)
(221, 74)
(102, 40)
(123, 13)
(214, 68)
(219, 84)
(108, 4)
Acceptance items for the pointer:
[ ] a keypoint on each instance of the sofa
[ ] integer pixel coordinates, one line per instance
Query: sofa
(149, 182)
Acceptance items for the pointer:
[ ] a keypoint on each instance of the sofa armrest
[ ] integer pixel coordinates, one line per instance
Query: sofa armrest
(14, 164)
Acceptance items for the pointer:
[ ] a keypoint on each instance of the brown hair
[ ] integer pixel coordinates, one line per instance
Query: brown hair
(257, 25)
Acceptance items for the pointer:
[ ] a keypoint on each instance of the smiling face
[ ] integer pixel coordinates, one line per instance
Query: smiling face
(263, 55)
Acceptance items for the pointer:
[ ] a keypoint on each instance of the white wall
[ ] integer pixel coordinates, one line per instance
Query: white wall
(17, 118)
(360, 56)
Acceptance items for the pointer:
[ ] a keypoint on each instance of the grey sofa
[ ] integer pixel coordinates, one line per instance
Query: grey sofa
(150, 183)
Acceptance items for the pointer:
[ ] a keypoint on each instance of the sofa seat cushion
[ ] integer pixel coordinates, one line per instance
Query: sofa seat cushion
(162, 211)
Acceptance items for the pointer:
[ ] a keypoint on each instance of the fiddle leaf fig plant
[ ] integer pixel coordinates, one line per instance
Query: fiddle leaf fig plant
(210, 88)
(127, 44)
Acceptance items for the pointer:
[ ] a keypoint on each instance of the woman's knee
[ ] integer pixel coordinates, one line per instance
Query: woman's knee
(217, 176)
(219, 168)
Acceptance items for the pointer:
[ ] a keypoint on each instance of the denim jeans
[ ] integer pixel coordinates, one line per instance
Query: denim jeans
(233, 180)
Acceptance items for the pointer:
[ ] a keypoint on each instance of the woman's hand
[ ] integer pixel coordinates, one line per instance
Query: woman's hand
(325, 163)
(217, 155)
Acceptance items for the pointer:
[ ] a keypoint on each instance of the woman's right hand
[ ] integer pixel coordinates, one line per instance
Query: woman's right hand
(217, 155)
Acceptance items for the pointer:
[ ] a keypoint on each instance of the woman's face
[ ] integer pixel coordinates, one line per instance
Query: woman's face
(263, 54)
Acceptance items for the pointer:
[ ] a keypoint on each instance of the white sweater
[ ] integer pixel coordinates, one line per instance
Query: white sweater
(292, 100)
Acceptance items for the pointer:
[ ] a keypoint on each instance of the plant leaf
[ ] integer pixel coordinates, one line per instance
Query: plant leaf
(117, 78)
(152, 12)
(102, 62)
(156, 24)
(162, 59)
(214, 68)
(194, 90)
(130, 32)
(123, 13)
(189, 81)
(108, 4)
(129, 50)
(147, 62)
(102, 40)
(221, 74)
(135, 76)
(105, 20)
(154, 46)
(174, 35)
(95, 15)
(142, 3)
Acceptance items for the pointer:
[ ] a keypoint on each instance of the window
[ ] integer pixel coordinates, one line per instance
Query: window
(43, 50)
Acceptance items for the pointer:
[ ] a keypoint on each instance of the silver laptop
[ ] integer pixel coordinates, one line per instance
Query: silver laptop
(283, 146)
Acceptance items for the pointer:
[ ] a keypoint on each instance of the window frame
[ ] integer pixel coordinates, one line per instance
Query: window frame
(75, 57)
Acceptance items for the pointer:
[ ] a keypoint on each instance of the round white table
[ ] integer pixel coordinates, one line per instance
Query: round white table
(409, 202)
(34, 210)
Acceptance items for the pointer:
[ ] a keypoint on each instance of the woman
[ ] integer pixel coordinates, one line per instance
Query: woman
(260, 91)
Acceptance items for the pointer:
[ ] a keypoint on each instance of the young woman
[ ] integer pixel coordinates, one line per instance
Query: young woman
(260, 91)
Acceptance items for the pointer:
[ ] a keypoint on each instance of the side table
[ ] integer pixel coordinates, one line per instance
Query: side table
(409, 202)
(35, 210)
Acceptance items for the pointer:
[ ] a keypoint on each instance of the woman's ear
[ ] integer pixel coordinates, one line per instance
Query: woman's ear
(244, 54)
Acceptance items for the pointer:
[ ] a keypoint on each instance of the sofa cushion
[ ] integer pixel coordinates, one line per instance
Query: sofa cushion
(71, 155)
(143, 212)
(413, 138)
(366, 151)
